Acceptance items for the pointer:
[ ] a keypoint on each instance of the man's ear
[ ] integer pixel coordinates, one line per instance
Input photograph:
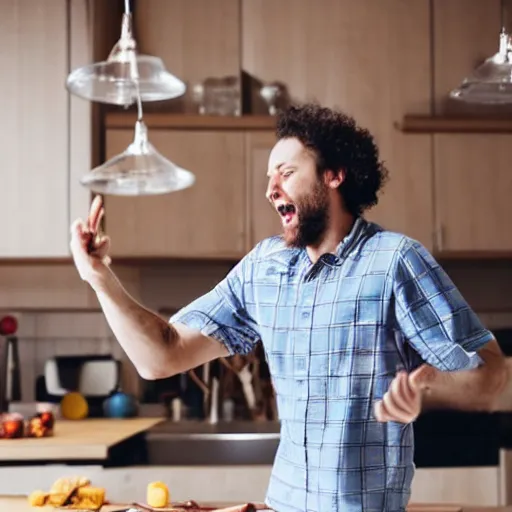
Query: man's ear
(334, 179)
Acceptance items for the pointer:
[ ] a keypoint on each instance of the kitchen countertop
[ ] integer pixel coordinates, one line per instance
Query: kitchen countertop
(20, 504)
(76, 440)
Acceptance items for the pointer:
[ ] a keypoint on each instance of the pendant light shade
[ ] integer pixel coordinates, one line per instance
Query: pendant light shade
(112, 81)
(126, 78)
(139, 170)
(491, 82)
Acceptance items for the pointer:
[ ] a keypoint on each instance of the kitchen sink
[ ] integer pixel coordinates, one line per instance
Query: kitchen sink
(197, 443)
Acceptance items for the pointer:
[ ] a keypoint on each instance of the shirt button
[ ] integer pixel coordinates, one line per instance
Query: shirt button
(306, 314)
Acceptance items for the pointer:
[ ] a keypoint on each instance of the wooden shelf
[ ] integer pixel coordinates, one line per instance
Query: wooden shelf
(443, 124)
(160, 120)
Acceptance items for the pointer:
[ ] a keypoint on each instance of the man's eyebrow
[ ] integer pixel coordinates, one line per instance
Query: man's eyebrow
(277, 168)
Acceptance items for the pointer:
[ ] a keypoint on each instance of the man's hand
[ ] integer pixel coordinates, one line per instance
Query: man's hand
(403, 401)
(88, 247)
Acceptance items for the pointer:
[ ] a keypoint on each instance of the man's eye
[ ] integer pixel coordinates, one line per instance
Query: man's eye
(287, 173)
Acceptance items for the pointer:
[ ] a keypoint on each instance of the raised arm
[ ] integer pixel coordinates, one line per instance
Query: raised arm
(156, 347)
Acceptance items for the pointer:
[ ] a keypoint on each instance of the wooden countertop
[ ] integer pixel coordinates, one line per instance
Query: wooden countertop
(76, 440)
(20, 504)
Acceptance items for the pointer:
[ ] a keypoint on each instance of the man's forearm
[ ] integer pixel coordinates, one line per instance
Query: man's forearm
(470, 390)
(146, 338)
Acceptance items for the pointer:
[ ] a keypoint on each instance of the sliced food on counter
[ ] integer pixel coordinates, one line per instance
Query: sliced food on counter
(73, 493)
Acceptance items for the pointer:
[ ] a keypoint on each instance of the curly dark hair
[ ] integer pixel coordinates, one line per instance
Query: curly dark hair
(338, 143)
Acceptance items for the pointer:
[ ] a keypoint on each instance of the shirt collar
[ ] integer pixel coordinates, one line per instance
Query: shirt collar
(358, 231)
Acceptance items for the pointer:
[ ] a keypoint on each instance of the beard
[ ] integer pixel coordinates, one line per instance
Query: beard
(312, 217)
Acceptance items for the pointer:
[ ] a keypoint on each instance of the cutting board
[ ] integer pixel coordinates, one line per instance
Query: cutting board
(76, 440)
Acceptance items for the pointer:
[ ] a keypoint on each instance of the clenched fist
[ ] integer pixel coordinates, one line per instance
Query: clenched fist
(403, 400)
(88, 247)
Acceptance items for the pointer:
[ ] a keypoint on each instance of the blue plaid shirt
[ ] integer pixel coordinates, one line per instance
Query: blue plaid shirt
(335, 333)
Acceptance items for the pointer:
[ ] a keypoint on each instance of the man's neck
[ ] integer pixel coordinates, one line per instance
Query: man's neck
(340, 225)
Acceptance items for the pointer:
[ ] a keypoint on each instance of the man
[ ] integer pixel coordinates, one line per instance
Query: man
(361, 327)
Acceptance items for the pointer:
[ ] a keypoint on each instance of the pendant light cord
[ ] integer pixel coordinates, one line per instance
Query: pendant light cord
(139, 101)
(136, 80)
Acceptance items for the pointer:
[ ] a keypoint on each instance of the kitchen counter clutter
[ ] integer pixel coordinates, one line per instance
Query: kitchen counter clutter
(89, 439)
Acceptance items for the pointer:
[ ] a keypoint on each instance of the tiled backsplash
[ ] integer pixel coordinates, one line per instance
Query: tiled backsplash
(44, 335)
(486, 285)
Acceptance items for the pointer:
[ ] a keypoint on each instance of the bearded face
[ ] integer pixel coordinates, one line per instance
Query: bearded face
(297, 192)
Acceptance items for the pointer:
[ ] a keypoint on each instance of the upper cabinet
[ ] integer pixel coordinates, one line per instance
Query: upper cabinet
(473, 177)
(263, 220)
(466, 32)
(207, 220)
(46, 136)
(196, 39)
(377, 61)
(34, 143)
(334, 60)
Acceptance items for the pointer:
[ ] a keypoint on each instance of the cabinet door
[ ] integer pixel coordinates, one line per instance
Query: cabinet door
(332, 59)
(34, 142)
(205, 221)
(473, 178)
(263, 219)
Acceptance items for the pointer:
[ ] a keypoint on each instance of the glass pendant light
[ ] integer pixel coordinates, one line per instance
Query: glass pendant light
(139, 171)
(111, 81)
(491, 82)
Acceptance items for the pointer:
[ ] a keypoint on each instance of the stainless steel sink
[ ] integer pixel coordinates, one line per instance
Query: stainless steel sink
(197, 443)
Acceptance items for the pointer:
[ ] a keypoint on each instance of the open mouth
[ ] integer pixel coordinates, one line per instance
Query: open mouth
(287, 211)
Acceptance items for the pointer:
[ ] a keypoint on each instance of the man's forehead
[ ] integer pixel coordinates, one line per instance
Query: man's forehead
(286, 151)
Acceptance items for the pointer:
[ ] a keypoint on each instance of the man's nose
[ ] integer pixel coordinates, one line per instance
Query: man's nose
(273, 190)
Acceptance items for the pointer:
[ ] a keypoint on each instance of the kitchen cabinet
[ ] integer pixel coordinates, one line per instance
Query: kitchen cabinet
(263, 220)
(477, 486)
(207, 220)
(473, 187)
(196, 39)
(465, 33)
(45, 139)
(34, 143)
(405, 202)
(332, 59)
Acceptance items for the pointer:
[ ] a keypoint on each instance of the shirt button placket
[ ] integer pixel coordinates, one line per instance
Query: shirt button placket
(306, 331)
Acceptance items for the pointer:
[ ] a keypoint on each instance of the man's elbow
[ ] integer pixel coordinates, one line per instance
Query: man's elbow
(154, 373)
(497, 379)
(165, 361)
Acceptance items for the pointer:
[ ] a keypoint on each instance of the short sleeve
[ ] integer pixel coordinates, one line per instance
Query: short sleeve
(432, 314)
(222, 314)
